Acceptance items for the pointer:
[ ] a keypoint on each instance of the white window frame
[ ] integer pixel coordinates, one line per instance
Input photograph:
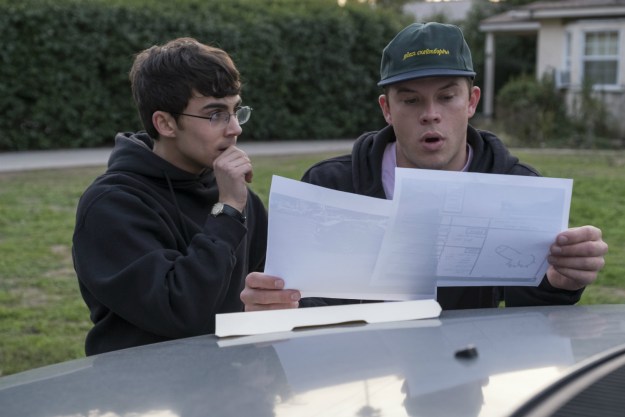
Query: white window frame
(615, 58)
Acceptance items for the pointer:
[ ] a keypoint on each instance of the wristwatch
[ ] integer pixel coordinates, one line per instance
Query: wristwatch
(221, 208)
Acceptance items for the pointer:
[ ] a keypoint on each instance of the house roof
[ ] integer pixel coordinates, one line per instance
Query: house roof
(527, 18)
(566, 4)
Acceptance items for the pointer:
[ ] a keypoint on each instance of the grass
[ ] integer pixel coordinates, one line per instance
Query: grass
(598, 199)
(43, 319)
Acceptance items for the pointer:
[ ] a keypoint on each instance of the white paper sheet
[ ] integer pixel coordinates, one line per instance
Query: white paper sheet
(441, 229)
(325, 243)
(471, 229)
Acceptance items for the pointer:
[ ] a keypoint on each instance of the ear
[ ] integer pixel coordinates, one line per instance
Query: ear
(165, 124)
(386, 110)
(474, 99)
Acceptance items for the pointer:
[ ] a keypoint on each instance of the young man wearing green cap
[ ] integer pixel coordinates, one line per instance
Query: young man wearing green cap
(429, 97)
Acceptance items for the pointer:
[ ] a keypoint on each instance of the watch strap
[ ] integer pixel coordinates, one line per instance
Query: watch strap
(228, 210)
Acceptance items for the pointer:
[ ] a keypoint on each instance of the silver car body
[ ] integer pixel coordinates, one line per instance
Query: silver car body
(490, 362)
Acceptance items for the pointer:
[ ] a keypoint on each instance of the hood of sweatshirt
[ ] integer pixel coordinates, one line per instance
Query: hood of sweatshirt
(490, 155)
(133, 153)
(133, 164)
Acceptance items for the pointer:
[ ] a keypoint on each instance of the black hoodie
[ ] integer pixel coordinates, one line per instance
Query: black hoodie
(361, 173)
(152, 263)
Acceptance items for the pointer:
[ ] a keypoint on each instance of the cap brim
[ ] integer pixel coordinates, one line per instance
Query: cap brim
(426, 73)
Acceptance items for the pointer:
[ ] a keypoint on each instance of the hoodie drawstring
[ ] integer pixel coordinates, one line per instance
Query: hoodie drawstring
(183, 226)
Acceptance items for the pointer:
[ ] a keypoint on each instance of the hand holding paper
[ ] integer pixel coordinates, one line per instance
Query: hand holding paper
(266, 292)
(576, 258)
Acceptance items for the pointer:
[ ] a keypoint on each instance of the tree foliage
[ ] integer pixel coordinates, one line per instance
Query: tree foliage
(515, 55)
(310, 67)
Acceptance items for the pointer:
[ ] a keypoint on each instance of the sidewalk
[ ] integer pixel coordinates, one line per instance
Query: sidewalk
(32, 160)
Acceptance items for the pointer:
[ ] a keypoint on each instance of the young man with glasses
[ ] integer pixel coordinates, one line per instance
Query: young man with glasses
(428, 99)
(164, 239)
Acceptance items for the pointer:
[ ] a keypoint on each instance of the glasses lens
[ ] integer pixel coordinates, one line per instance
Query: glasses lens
(219, 118)
(243, 114)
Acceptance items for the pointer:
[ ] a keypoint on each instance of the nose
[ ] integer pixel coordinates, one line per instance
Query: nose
(233, 128)
(430, 114)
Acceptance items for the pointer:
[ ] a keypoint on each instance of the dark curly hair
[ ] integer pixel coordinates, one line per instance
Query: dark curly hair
(165, 77)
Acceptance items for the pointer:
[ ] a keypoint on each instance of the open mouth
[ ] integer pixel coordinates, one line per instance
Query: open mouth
(431, 139)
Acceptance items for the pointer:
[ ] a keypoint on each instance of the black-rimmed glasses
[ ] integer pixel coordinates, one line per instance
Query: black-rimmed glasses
(222, 118)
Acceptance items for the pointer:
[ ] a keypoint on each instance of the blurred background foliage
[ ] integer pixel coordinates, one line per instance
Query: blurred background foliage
(310, 69)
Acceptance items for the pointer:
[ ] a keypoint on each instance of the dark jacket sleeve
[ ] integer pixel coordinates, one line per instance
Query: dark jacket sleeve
(334, 173)
(257, 225)
(543, 295)
(131, 262)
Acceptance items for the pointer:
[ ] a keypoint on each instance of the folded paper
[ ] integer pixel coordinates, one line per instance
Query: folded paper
(270, 321)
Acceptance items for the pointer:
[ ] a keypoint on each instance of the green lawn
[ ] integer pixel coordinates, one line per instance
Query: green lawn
(43, 319)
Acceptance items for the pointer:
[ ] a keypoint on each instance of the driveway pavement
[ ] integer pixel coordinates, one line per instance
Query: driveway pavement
(31, 160)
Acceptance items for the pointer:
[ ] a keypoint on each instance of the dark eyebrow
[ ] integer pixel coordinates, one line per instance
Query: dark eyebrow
(220, 106)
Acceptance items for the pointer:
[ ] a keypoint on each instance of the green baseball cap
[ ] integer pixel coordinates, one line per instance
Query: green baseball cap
(426, 50)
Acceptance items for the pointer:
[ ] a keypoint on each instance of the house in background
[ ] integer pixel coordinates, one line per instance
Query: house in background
(578, 41)
(453, 10)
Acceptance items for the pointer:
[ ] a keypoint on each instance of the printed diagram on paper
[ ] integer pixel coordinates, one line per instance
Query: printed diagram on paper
(487, 229)
(441, 229)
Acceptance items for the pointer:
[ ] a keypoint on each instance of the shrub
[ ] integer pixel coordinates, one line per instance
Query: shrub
(309, 67)
(534, 113)
(591, 121)
(531, 111)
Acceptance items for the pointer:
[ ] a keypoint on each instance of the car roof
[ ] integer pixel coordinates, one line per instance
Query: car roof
(487, 362)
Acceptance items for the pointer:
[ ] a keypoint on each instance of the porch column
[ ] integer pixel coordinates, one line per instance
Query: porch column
(489, 76)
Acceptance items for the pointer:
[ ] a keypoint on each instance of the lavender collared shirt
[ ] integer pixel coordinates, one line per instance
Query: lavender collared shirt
(389, 162)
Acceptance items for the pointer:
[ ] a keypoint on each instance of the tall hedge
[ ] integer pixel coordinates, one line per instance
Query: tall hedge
(309, 67)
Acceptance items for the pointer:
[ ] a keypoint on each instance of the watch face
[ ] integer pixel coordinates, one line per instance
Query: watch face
(218, 208)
